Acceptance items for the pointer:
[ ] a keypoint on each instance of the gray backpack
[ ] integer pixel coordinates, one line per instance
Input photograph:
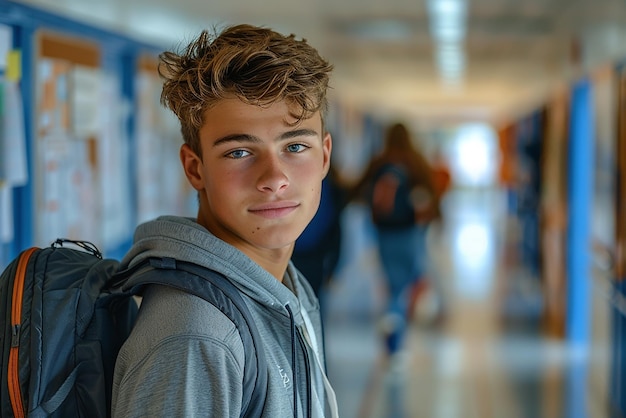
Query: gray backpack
(67, 311)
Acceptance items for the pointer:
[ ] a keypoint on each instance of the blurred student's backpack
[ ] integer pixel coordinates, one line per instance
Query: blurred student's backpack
(390, 197)
(65, 313)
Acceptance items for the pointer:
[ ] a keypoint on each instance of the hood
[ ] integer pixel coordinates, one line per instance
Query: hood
(186, 240)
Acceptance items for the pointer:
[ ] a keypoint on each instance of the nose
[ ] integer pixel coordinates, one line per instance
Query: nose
(273, 177)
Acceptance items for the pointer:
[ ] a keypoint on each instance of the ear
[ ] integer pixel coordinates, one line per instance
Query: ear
(327, 146)
(192, 164)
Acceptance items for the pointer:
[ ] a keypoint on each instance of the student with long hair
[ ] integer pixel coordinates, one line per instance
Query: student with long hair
(398, 187)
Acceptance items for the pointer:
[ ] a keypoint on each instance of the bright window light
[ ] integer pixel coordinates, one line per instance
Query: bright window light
(472, 243)
(475, 158)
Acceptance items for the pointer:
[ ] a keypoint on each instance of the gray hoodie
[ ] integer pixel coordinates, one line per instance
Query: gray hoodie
(185, 358)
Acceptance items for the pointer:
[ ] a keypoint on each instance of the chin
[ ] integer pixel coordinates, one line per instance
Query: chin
(278, 242)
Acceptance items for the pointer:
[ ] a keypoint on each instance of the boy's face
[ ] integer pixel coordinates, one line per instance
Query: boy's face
(259, 178)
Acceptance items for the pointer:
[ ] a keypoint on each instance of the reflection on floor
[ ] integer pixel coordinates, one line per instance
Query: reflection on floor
(487, 359)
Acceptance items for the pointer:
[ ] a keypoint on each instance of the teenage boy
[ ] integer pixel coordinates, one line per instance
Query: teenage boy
(250, 102)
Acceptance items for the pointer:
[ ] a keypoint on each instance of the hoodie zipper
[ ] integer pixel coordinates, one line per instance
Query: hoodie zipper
(307, 365)
(294, 364)
(298, 340)
(15, 393)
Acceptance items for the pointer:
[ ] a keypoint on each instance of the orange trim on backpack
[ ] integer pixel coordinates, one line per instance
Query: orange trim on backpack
(15, 394)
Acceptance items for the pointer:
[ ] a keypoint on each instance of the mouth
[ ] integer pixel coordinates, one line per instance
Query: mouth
(274, 210)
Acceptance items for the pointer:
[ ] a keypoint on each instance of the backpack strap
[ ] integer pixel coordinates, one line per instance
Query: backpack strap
(216, 289)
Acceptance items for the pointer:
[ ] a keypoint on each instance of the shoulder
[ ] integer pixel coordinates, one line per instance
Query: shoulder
(164, 361)
(167, 313)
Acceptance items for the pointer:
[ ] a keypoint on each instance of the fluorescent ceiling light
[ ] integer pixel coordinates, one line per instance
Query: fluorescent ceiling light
(447, 20)
(447, 28)
(447, 8)
(447, 31)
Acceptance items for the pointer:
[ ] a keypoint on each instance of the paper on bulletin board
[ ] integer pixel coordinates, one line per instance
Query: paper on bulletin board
(164, 188)
(13, 167)
(85, 100)
(53, 91)
(113, 167)
(50, 217)
(148, 155)
(6, 214)
(6, 43)
(69, 201)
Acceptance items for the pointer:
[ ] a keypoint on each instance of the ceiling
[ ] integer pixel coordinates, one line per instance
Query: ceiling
(515, 51)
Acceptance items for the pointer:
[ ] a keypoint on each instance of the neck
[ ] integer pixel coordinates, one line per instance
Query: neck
(273, 261)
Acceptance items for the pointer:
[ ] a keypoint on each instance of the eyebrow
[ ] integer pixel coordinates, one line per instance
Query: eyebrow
(251, 138)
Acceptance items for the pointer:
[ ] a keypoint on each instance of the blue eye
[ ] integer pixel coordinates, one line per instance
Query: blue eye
(238, 153)
(296, 147)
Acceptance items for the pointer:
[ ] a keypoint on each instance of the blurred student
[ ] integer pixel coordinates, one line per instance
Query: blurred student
(398, 187)
(317, 250)
(251, 105)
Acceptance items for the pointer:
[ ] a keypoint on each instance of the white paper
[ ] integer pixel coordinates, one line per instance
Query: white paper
(68, 202)
(86, 103)
(6, 44)
(115, 178)
(14, 166)
(6, 215)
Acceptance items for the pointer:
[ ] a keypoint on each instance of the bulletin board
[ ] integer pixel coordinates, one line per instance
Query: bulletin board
(13, 149)
(162, 187)
(81, 148)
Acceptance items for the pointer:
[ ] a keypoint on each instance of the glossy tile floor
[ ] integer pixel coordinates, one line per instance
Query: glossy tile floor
(486, 359)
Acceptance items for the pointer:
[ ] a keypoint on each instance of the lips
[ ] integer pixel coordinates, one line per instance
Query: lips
(274, 210)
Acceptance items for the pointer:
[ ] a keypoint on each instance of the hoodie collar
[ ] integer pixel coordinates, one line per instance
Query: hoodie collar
(184, 239)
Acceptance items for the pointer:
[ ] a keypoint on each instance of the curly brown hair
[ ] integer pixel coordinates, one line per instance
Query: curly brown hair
(254, 64)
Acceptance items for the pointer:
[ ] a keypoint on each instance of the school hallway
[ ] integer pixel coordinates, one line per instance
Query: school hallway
(488, 358)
